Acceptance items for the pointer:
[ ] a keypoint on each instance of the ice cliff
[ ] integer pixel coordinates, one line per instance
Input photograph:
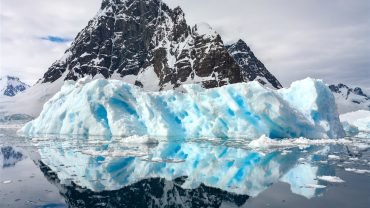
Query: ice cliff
(114, 108)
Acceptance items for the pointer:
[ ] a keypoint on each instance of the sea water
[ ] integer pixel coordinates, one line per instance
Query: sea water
(52, 171)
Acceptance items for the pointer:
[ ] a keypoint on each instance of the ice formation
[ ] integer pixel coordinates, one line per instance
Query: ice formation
(114, 108)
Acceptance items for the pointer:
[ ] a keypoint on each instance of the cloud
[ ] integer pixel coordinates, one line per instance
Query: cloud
(31, 34)
(295, 39)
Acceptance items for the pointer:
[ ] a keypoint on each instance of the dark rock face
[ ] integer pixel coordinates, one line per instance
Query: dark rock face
(11, 86)
(252, 68)
(144, 42)
(347, 91)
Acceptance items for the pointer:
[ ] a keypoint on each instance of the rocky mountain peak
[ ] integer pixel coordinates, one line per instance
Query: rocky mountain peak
(347, 91)
(251, 67)
(146, 43)
(350, 98)
(11, 86)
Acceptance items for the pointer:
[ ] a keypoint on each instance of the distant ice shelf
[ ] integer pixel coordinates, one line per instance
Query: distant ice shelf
(114, 108)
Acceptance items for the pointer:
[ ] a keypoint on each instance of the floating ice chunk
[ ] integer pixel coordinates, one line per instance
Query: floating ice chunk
(7, 181)
(331, 179)
(359, 171)
(333, 157)
(264, 142)
(139, 139)
(114, 108)
(315, 186)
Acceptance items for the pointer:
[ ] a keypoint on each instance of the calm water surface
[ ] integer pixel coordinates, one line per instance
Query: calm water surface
(95, 172)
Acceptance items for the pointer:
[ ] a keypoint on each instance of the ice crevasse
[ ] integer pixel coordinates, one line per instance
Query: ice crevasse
(114, 108)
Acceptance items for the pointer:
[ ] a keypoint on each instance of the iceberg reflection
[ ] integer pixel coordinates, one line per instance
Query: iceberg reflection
(112, 165)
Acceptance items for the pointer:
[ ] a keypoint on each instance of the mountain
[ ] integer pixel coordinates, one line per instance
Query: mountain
(11, 86)
(251, 67)
(350, 99)
(148, 44)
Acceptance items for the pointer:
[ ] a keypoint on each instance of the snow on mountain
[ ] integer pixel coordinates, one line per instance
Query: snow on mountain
(252, 68)
(350, 99)
(114, 108)
(11, 86)
(147, 44)
(28, 103)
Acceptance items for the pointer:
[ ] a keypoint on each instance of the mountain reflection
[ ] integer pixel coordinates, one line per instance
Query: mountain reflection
(185, 174)
(10, 156)
(154, 192)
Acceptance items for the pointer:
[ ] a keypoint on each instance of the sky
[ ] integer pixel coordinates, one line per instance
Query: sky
(326, 39)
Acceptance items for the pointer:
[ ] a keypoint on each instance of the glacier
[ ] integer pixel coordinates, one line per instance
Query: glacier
(249, 110)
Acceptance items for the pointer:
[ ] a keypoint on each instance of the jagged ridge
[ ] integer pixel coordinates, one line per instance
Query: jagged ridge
(350, 99)
(146, 43)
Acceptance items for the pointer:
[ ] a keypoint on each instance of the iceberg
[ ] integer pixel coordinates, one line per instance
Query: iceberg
(248, 110)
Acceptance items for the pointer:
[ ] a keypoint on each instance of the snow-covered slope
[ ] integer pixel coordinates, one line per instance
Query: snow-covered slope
(11, 86)
(28, 103)
(351, 99)
(115, 108)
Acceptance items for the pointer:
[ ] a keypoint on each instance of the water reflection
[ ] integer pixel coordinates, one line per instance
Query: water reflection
(10, 156)
(153, 192)
(202, 172)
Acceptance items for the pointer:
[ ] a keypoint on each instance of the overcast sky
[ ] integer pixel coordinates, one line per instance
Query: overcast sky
(327, 39)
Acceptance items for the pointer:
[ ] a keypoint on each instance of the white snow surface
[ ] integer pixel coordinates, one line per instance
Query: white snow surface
(359, 119)
(114, 108)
